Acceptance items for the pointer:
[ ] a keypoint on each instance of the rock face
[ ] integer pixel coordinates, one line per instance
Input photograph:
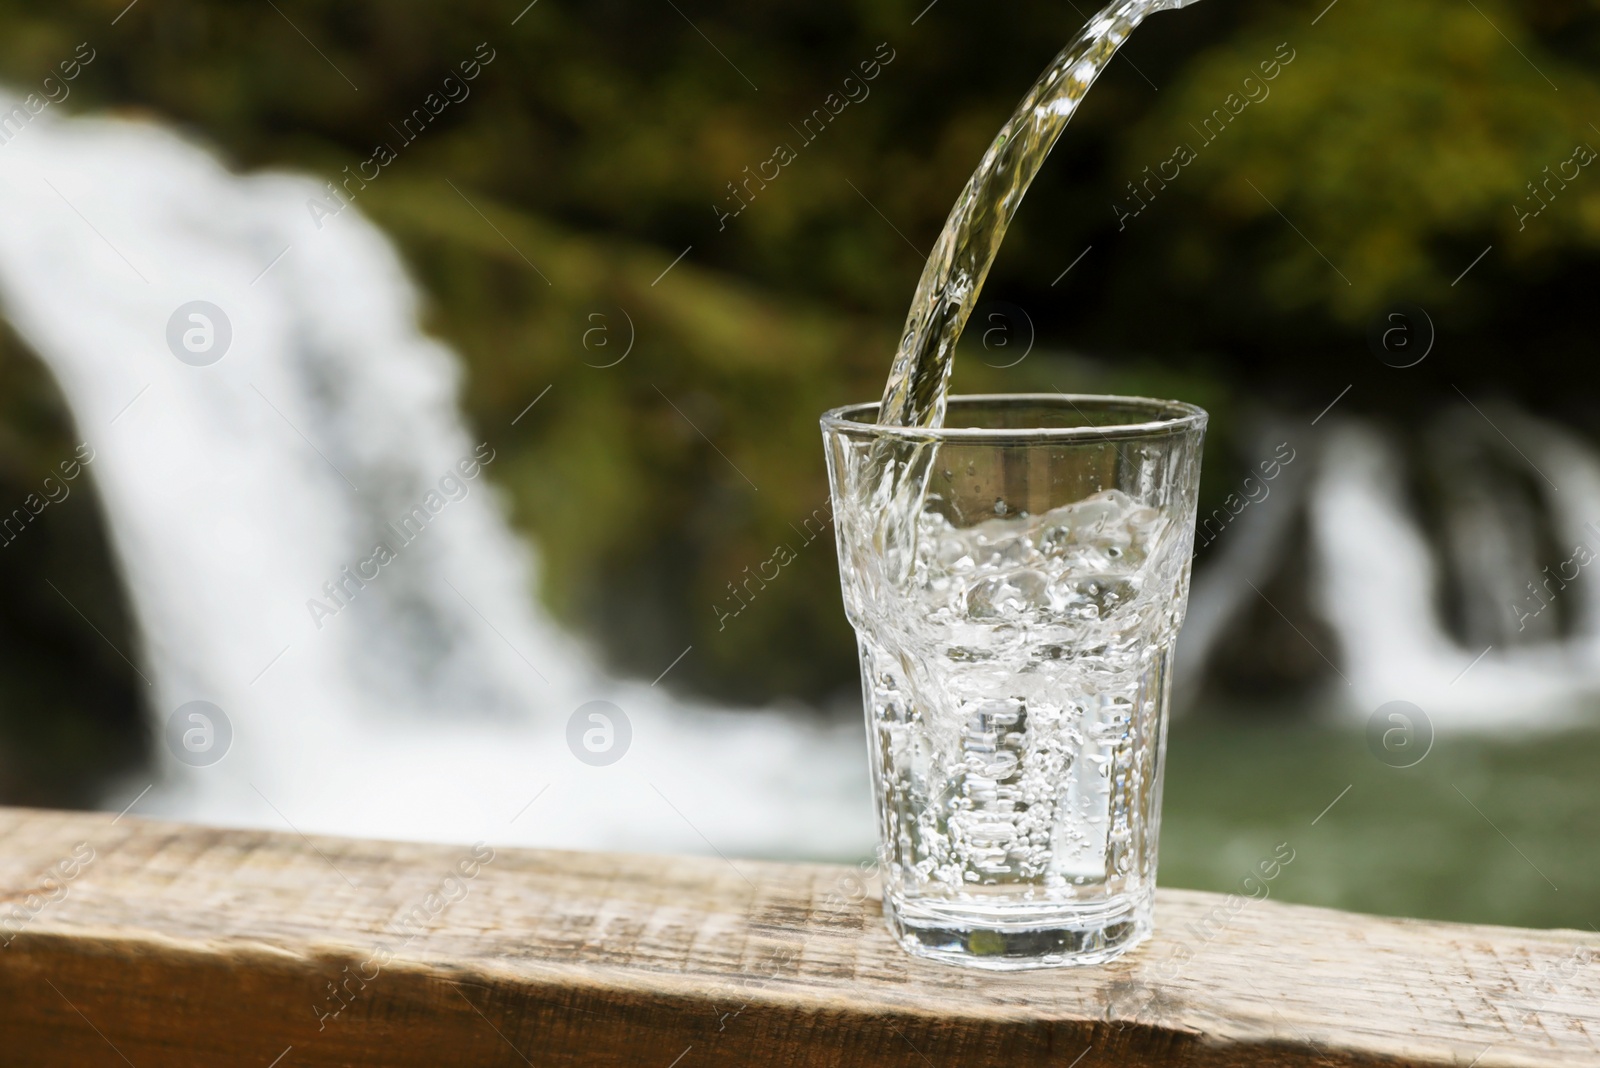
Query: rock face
(71, 714)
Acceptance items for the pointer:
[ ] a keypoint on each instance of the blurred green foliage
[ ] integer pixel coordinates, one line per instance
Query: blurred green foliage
(598, 145)
(1399, 136)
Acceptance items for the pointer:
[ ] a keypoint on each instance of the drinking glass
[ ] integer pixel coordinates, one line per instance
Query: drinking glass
(1016, 580)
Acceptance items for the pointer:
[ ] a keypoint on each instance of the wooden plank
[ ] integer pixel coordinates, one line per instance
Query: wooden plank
(151, 944)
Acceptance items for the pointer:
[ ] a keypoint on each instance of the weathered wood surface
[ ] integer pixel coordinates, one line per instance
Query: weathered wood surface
(169, 945)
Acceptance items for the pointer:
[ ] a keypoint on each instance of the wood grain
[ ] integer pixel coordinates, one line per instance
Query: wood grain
(176, 945)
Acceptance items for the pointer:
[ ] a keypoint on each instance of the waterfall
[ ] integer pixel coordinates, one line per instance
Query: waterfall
(1464, 620)
(428, 696)
(1378, 581)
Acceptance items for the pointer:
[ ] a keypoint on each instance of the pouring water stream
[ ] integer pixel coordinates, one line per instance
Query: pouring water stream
(954, 275)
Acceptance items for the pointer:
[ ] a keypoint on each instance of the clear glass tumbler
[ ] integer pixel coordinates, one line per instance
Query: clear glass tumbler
(1016, 580)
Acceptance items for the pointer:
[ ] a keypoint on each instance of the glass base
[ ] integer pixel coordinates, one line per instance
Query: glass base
(1013, 939)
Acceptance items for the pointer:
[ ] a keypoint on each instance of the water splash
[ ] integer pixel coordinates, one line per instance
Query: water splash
(955, 273)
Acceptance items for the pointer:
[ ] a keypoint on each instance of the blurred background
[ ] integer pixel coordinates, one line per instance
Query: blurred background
(1365, 236)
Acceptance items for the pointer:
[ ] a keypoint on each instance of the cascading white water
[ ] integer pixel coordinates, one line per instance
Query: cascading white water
(1377, 578)
(433, 706)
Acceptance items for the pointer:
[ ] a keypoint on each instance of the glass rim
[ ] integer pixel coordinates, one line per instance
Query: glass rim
(1165, 417)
